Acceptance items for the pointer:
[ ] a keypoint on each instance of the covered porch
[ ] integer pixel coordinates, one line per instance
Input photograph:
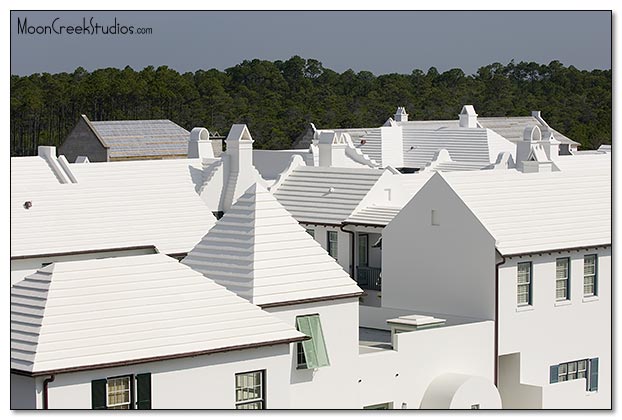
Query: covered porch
(368, 265)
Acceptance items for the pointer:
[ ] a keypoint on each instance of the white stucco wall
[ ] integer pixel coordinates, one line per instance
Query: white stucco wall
(448, 268)
(24, 267)
(579, 328)
(404, 375)
(333, 386)
(190, 383)
(343, 243)
(23, 393)
(514, 394)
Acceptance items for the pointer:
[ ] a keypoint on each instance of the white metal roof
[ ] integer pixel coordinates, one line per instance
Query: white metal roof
(260, 252)
(325, 195)
(522, 210)
(95, 312)
(31, 171)
(470, 145)
(374, 215)
(512, 127)
(381, 212)
(113, 205)
(132, 138)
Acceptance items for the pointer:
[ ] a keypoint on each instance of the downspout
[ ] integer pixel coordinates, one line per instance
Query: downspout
(46, 381)
(497, 265)
(351, 249)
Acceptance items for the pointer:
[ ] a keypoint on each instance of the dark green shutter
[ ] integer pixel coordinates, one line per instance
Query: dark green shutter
(554, 373)
(594, 374)
(143, 391)
(98, 394)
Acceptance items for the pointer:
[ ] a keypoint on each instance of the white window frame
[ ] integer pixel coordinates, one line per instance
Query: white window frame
(590, 280)
(241, 403)
(564, 280)
(528, 283)
(129, 390)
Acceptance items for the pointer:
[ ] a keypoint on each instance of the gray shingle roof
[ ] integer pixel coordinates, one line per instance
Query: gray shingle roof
(142, 137)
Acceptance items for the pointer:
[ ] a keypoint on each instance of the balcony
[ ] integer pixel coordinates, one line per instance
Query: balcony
(369, 277)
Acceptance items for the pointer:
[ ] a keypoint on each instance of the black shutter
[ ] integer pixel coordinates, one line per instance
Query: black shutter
(98, 394)
(554, 373)
(594, 374)
(143, 391)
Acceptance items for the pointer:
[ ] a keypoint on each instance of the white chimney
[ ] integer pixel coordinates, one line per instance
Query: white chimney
(550, 144)
(531, 135)
(239, 172)
(468, 117)
(240, 148)
(400, 114)
(332, 149)
(530, 153)
(200, 146)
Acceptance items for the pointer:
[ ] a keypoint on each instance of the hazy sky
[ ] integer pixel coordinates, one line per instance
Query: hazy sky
(381, 42)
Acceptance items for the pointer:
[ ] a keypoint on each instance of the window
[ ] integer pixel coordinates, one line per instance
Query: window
(311, 232)
(562, 279)
(363, 250)
(524, 284)
(436, 220)
(301, 361)
(249, 391)
(332, 244)
(119, 393)
(579, 369)
(311, 353)
(589, 275)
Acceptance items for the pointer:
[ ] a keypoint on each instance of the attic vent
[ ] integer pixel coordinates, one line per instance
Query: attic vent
(27, 205)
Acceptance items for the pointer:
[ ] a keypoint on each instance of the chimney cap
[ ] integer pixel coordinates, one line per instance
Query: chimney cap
(239, 132)
(532, 133)
(199, 134)
(468, 110)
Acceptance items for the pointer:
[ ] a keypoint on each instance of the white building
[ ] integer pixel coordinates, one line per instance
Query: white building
(468, 143)
(492, 244)
(69, 212)
(149, 332)
(261, 315)
(142, 332)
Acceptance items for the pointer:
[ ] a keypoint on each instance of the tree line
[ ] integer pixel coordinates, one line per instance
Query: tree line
(278, 99)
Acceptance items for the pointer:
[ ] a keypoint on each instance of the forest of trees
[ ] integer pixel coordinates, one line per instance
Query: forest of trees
(278, 99)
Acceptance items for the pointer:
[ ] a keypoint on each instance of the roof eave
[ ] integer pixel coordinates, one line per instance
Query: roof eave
(159, 358)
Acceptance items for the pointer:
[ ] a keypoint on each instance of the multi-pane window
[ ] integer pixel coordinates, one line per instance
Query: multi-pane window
(523, 293)
(363, 250)
(589, 275)
(311, 353)
(118, 391)
(311, 232)
(122, 392)
(249, 391)
(301, 361)
(332, 243)
(562, 279)
(579, 369)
